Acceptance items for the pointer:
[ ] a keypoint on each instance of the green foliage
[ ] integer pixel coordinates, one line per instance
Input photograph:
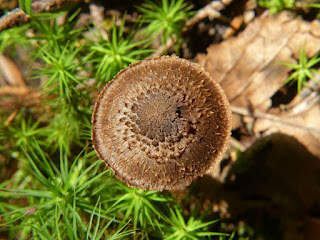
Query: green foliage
(63, 130)
(167, 19)
(276, 6)
(314, 5)
(193, 229)
(12, 37)
(303, 71)
(142, 206)
(60, 52)
(2, 135)
(115, 53)
(64, 90)
(62, 192)
(49, 32)
(96, 235)
(25, 5)
(61, 70)
(25, 134)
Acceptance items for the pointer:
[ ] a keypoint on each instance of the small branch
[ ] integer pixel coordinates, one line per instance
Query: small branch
(163, 49)
(245, 112)
(211, 11)
(15, 97)
(237, 144)
(12, 116)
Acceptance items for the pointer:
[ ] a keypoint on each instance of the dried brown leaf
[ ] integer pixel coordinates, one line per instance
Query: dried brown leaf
(10, 73)
(248, 69)
(247, 66)
(305, 127)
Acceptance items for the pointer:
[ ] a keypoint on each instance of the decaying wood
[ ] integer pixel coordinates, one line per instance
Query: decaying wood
(19, 17)
(13, 18)
(52, 5)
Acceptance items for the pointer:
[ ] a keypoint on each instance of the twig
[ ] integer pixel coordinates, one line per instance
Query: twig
(306, 99)
(10, 72)
(211, 11)
(162, 50)
(8, 90)
(97, 16)
(245, 112)
(12, 116)
(237, 144)
(21, 96)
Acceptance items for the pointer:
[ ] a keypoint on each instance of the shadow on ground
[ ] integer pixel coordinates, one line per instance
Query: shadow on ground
(274, 186)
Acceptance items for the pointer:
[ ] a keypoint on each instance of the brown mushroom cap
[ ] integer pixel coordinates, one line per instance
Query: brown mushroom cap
(161, 123)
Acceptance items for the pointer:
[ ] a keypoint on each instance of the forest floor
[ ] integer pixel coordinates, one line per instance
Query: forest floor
(264, 54)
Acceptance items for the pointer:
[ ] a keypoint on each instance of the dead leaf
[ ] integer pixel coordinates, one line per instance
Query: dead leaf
(305, 127)
(247, 66)
(248, 69)
(10, 73)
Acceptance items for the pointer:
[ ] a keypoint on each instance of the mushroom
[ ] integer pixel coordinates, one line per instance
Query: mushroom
(161, 123)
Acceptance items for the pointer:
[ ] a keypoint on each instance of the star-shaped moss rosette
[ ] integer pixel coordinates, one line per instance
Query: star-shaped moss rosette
(161, 123)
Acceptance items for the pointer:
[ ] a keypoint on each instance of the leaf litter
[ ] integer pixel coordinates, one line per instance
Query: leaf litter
(249, 70)
(276, 175)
